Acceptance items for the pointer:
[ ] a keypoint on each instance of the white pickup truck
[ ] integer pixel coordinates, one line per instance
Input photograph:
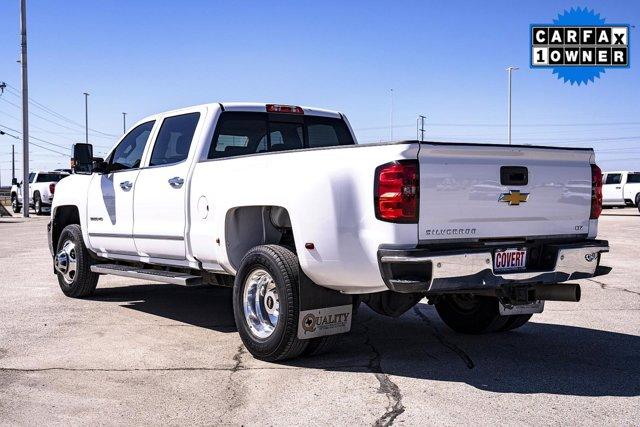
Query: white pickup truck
(621, 189)
(42, 187)
(280, 203)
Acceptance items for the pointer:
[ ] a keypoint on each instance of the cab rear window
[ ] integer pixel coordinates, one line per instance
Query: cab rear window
(243, 133)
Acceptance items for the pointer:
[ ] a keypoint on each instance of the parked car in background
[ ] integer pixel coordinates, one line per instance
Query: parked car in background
(621, 188)
(42, 186)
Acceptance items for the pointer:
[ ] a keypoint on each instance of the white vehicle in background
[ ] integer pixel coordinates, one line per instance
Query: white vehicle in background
(282, 204)
(42, 187)
(621, 188)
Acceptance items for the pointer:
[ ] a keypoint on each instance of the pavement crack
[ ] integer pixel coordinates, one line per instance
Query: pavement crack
(442, 340)
(55, 368)
(606, 287)
(238, 359)
(233, 386)
(387, 386)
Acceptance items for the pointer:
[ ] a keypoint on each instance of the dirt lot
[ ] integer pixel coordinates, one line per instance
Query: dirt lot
(139, 353)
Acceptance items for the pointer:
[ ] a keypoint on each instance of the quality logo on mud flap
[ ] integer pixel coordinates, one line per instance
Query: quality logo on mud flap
(324, 321)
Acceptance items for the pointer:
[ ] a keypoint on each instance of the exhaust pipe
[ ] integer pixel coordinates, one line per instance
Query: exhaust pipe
(558, 292)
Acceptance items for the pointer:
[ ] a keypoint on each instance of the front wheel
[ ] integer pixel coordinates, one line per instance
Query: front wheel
(73, 264)
(471, 314)
(266, 303)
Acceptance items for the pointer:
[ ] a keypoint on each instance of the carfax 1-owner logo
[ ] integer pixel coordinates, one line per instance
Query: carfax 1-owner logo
(578, 46)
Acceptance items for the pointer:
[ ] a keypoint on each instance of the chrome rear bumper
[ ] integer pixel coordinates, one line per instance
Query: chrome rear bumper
(422, 270)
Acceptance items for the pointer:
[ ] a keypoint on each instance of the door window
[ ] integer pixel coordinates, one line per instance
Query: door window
(174, 139)
(128, 154)
(613, 178)
(633, 178)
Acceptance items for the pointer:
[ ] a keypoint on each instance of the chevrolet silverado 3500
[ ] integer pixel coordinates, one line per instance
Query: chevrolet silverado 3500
(281, 203)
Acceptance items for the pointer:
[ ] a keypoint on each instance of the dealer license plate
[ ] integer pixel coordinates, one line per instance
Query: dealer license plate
(510, 259)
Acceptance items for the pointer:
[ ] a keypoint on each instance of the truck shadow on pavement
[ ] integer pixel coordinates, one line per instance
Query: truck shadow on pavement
(537, 358)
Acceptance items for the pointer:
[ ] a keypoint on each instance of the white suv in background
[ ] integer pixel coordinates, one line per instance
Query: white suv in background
(42, 186)
(621, 188)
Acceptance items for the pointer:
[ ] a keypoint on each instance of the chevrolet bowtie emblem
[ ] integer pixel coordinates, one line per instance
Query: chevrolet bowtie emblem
(513, 197)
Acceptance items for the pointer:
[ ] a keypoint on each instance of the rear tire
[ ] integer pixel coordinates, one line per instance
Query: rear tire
(470, 314)
(37, 203)
(638, 201)
(78, 280)
(266, 303)
(15, 206)
(516, 321)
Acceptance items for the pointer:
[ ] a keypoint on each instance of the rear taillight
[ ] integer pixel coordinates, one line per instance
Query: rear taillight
(596, 192)
(396, 191)
(52, 188)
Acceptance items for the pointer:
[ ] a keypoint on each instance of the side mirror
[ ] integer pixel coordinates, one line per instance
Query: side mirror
(82, 161)
(14, 181)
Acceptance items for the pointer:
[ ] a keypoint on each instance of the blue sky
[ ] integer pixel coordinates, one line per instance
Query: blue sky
(446, 60)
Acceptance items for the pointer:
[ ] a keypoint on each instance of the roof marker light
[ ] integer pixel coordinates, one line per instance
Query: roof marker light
(289, 109)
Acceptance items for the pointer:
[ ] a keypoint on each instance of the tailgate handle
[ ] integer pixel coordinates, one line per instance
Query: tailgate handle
(514, 175)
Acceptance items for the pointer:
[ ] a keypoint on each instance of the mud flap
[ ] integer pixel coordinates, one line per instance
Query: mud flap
(322, 311)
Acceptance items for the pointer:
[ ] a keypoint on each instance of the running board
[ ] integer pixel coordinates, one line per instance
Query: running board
(148, 274)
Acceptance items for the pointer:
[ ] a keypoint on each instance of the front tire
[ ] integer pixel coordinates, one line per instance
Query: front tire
(266, 303)
(471, 314)
(73, 264)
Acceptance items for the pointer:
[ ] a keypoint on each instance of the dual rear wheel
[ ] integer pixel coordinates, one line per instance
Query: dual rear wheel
(472, 314)
(266, 305)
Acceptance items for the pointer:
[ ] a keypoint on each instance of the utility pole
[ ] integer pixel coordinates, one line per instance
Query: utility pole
(124, 123)
(25, 109)
(391, 118)
(86, 117)
(509, 70)
(13, 161)
(420, 127)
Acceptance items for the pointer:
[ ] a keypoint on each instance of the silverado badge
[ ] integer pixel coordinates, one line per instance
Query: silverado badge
(513, 197)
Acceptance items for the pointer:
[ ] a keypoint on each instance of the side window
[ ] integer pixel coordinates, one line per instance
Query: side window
(128, 154)
(633, 178)
(239, 134)
(613, 178)
(174, 139)
(31, 177)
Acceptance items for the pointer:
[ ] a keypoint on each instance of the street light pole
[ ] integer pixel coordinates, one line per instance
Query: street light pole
(509, 70)
(86, 117)
(25, 109)
(124, 123)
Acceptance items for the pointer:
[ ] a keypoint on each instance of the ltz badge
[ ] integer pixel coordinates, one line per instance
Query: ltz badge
(578, 46)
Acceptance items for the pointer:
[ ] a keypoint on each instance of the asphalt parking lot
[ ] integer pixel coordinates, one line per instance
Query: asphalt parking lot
(139, 353)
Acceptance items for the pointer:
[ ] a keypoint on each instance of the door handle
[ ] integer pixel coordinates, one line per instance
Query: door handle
(176, 182)
(617, 188)
(126, 185)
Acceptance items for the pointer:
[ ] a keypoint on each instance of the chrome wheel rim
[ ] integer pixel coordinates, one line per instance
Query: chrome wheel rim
(66, 261)
(14, 204)
(260, 303)
(38, 205)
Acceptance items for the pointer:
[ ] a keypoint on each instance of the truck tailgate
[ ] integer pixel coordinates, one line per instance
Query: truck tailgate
(464, 196)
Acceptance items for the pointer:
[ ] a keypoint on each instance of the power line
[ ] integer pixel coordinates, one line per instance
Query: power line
(37, 139)
(503, 125)
(16, 92)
